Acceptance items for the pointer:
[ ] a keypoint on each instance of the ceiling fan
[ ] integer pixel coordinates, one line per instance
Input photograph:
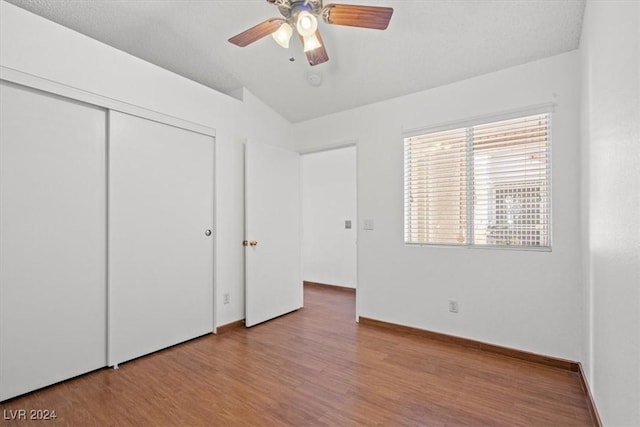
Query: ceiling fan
(302, 15)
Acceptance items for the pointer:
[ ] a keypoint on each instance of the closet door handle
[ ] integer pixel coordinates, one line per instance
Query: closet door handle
(207, 232)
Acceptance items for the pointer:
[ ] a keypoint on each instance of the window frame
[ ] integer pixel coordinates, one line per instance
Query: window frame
(546, 108)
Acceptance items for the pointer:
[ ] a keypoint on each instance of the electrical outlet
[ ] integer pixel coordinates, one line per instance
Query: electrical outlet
(347, 223)
(225, 298)
(453, 306)
(368, 224)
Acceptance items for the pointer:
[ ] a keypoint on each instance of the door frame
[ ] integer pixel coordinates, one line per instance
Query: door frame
(35, 82)
(337, 146)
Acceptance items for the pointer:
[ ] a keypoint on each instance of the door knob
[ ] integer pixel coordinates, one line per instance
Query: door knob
(253, 243)
(207, 232)
(245, 243)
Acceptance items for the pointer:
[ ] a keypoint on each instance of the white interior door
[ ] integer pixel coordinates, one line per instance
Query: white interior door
(273, 265)
(52, 239)
(160, 253)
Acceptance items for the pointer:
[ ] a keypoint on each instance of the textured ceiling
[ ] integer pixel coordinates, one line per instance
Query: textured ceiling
(428, 43)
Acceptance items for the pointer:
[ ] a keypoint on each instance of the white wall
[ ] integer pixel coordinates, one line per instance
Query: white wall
(521, 299)
(610, 54)
(33, 45)
(328, 199)
(527, 300)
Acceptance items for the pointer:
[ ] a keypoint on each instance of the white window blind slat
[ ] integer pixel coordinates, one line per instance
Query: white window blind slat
(483, 185)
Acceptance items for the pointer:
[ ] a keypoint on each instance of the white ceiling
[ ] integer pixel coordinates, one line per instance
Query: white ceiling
(428, 43)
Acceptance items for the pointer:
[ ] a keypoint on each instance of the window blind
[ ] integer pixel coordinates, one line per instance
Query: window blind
(484, 185)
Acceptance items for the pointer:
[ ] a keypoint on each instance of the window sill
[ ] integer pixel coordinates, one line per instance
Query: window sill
(482, 247)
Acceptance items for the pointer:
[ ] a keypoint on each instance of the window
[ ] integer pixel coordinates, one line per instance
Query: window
(482, 185)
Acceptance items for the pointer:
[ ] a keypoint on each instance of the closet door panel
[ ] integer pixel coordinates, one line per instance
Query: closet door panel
(160, 256)
(52, 239)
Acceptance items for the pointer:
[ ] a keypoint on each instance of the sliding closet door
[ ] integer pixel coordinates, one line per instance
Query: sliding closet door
(52, 239)
(160, 236)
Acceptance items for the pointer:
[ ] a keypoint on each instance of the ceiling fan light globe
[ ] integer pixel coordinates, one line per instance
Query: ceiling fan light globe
(310, 43)
(306, 24)
(283, 34)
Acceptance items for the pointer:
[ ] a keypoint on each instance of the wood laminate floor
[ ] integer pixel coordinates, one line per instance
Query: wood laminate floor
(315, 367)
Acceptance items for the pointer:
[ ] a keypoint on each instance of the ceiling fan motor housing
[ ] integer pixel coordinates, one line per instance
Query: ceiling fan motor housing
(291, 8)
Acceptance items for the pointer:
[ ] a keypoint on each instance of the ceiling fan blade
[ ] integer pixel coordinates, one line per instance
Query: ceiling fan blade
(357, 16)
(317, 55)
(253, 34)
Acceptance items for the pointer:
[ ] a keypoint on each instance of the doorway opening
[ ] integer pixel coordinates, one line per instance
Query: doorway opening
(330, 218)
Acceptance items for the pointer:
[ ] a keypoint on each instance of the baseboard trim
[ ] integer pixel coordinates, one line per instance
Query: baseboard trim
(591, 403)
(328, 286)
(567, 365)
(230, 327)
